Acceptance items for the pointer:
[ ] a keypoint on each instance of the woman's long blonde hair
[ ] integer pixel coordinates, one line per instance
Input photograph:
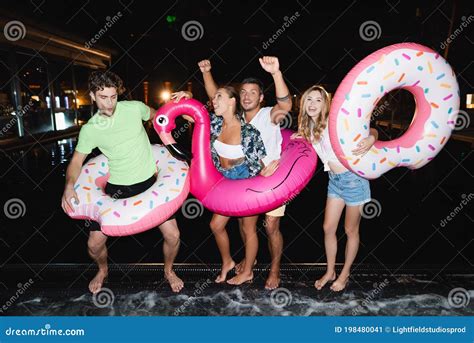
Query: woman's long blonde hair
(306, 127)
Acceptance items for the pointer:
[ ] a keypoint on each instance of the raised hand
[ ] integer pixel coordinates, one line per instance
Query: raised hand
(177, 96)
(270, 64)
(205, 66)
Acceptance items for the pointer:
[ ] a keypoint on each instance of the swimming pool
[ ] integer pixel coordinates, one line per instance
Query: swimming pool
(139, 290)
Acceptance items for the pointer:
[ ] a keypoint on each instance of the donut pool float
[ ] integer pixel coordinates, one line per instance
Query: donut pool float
(128, 216)
(409, 66)
(243, 197)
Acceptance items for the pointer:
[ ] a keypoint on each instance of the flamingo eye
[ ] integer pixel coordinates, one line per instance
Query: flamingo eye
(162, 120)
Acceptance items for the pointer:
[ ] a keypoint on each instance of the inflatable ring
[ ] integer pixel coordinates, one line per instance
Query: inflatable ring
(410, 66)
(228, 197)
(128, 216)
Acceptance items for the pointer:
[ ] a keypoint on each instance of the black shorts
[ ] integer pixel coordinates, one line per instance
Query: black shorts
(120, 192)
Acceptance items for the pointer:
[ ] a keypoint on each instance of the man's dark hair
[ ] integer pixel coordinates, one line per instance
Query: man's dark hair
(99, 80)
(255, 81)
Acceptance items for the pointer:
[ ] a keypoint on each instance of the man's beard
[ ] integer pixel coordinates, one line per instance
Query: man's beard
(250, 108)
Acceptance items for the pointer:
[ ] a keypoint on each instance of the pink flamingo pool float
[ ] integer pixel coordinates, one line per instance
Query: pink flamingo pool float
(235, 197)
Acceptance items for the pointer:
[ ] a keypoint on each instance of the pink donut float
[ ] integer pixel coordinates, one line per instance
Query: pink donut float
(236, 197)
(123, 217)
(410, 66)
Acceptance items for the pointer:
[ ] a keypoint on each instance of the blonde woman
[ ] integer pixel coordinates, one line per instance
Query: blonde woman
(345, 190)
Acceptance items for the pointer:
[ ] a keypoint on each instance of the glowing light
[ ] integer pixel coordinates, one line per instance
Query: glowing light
(165, 95)
(60, 120)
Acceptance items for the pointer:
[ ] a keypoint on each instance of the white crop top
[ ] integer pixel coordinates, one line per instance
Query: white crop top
(325, 152)
(229, 151)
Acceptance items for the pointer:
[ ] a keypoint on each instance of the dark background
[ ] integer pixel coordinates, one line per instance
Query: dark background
(320, 46)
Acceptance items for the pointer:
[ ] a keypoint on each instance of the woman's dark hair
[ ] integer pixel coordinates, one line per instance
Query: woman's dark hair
(99, 80)
(233, 93)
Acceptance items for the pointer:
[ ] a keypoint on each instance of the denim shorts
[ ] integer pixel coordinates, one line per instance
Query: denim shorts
(240, 171)
(351, 188)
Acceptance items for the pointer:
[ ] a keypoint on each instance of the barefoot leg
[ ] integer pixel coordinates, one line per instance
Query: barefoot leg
(218, 227)
(170, 232)
(251, 247)
(98, 252)
(351, 226)
(275, 246)
(239, 266)
(333, 211)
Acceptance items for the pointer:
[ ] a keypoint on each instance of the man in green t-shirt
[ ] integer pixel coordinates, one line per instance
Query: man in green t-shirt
(117, 130)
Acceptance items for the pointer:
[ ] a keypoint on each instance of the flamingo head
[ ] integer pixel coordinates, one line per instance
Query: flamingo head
(164, 123)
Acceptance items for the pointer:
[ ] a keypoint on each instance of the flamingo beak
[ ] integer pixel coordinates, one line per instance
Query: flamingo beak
(163, 126)
(179, 153)
(174, 149)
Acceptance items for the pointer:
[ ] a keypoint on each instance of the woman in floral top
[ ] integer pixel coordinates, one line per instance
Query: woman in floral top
(237, 150)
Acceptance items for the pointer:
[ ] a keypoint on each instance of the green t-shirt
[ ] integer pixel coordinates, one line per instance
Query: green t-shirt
(123, 140)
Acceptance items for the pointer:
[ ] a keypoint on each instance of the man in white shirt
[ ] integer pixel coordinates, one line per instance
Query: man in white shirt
(267, 121)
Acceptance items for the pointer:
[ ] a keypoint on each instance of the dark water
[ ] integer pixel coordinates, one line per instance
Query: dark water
(408, 226)
(146, 294)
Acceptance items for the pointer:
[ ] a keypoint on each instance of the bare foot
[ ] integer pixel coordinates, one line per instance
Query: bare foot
(273, 281)
(340, 283)
(241, 265)
(175, 282)
(329, 276)
(96, 283)
(240, 279)
(224, 270)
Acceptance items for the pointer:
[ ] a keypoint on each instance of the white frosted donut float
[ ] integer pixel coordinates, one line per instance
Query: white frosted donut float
(409, 66)
(128, 216)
